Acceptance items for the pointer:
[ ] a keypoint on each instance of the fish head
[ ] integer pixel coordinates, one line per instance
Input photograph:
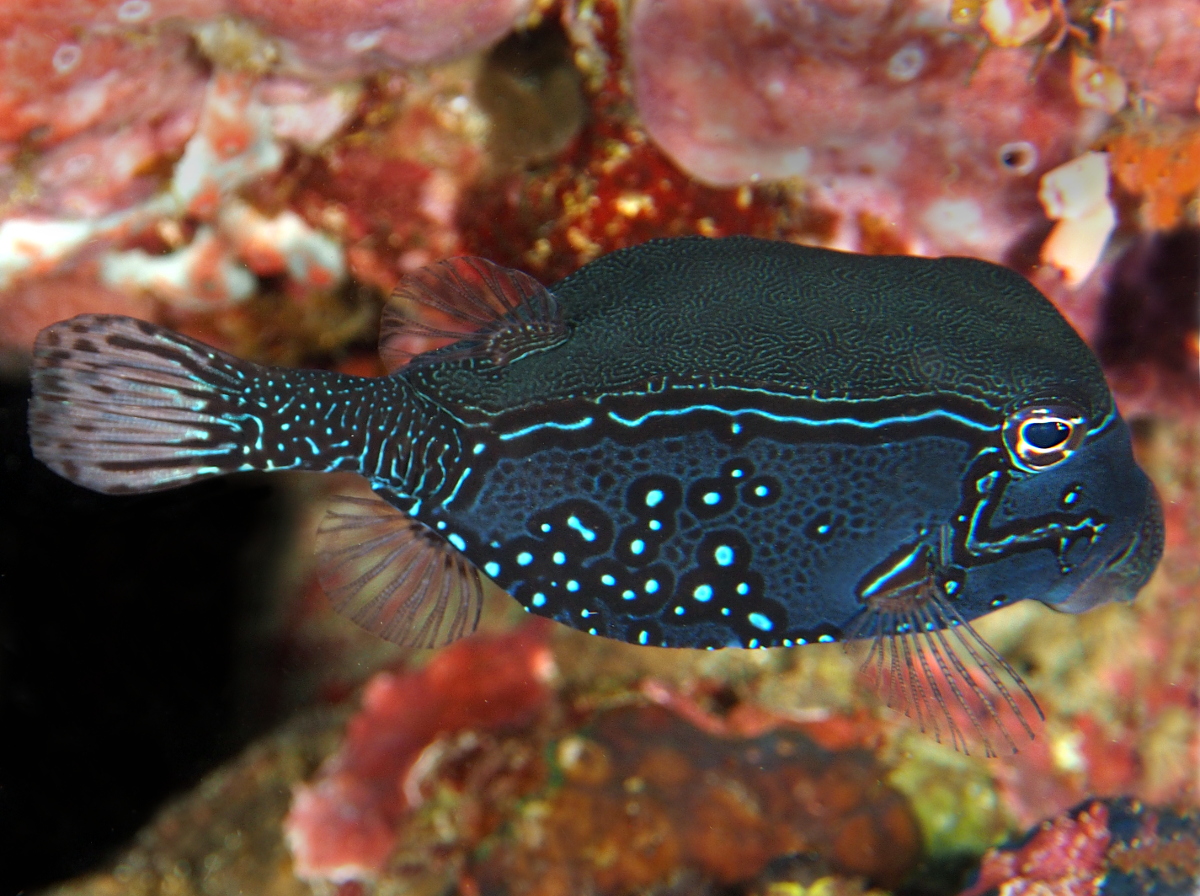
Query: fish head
(1079, 520)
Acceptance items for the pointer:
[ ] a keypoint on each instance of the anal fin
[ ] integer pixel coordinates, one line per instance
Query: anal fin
(393, 575)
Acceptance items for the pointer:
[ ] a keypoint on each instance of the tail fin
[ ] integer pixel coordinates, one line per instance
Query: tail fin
(120, 405)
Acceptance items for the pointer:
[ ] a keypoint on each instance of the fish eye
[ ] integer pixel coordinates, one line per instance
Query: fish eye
(1040, 436)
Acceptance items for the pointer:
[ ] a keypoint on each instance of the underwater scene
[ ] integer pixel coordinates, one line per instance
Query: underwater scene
(600, 447)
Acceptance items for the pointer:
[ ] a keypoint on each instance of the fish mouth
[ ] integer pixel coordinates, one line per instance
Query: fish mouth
(1124, 575)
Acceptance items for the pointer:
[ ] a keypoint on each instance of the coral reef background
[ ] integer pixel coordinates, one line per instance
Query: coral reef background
(259, 174)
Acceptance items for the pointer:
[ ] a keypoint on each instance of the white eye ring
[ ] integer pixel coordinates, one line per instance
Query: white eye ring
(1043, 435)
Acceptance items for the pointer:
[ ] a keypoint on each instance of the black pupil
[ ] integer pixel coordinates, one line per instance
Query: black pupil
(1049, 434)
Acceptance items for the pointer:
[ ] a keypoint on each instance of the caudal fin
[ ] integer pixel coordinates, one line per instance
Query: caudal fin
(120, 405)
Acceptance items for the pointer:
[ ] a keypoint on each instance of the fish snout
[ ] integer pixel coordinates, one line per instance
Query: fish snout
(1122, 577)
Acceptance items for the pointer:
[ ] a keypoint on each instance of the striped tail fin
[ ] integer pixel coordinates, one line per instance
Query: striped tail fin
(120, 405)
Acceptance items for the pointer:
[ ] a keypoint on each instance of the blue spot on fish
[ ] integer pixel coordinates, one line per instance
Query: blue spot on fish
(574, 523)
(760, 622)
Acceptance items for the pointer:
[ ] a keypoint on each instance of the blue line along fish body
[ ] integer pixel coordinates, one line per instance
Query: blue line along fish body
(691, 443)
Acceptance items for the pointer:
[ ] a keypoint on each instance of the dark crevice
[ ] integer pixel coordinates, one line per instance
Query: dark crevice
(123, 647)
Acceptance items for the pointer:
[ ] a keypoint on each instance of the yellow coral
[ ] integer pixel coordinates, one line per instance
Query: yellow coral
(1097, 86)
(1012, 23)
(1162, 167)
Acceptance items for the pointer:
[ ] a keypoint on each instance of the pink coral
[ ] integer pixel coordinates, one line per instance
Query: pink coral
(465, 771)
(882, 109)
(367, 35)
(1065, 857)
(343, 826)
(117, 137)
(40, 302)
(107, 101)
(67, 68)
(1156, 47)
(1102, 846)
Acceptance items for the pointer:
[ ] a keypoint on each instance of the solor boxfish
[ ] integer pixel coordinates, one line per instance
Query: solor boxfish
(692, 443)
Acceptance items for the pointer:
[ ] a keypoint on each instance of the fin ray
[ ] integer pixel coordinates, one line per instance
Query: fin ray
(120, 405)
(394, 576)
(930, 664)
(481, 309)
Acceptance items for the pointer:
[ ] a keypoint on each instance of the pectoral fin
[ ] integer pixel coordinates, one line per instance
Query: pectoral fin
(393, 575)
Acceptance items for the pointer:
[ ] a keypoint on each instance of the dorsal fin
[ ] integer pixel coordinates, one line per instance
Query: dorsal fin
(495, 313)
(393, 575)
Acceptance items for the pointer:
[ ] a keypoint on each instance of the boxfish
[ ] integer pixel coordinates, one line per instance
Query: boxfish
(692, 443)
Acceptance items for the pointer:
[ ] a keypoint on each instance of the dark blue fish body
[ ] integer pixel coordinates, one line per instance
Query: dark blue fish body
(740, 438)
(753, 540)
(693, 443)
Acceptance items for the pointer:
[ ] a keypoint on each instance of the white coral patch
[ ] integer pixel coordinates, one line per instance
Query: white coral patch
(907, 62)
(1076, 195)
(362, 41)
(281, 243)
(1075, 244)
(133, 11)
(66, 58)
(1011, 23)
(200, 275)
(1097, 86)
(238, 139)
(955, 221)
(39, 245)
(1075, 188)
(207, 165)
(307, 117)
